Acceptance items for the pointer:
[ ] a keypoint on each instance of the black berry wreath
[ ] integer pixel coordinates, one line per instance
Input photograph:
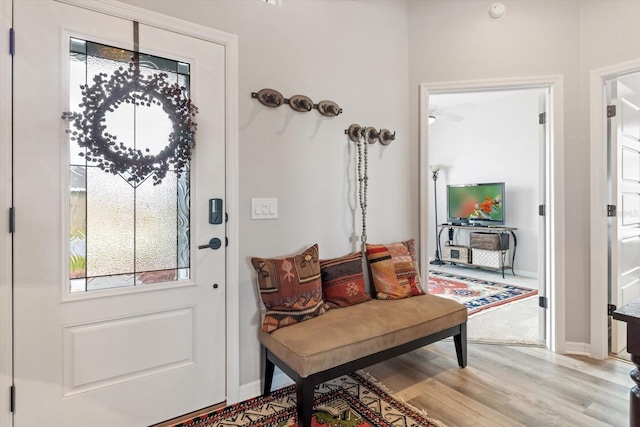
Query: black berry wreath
(116, 157)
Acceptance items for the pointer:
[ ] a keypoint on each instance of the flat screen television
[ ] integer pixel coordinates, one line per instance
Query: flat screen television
(477, 204)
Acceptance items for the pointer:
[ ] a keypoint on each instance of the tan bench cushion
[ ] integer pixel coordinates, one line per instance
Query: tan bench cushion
(345, 334)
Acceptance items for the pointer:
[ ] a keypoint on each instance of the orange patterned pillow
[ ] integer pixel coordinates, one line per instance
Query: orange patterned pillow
(290, 288)
(394, 270)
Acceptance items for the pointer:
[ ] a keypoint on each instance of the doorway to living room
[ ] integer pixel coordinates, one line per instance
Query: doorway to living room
(493, 143)
(487, 149)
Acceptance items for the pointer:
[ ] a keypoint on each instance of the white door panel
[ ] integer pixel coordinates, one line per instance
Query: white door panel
(630, 119)
(629, 255)
(624, 139)
(630, 165)
(630, 215)
(128, 356)
(631, 291)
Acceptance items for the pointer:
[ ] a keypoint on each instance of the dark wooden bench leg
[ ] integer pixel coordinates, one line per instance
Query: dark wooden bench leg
(460, 341)
(304, 394)
(268, 374)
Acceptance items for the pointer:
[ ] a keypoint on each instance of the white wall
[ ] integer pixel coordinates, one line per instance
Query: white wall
(352, 52)
(491, 137)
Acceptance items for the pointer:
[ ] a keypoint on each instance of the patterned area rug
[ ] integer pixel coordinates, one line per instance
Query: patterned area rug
(475, 294)
(354, 400)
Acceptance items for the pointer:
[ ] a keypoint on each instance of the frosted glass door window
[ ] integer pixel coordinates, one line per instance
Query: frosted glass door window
(121, 234)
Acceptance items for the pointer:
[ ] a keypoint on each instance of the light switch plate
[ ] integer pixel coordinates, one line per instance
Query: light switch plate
(264, 208)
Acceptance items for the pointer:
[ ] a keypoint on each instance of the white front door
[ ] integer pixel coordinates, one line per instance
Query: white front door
(119, 317)
(624, 137)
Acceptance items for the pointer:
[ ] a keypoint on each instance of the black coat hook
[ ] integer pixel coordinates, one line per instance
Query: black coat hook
(269, 97)
(329, 108)
(300, 103)
(385, 136)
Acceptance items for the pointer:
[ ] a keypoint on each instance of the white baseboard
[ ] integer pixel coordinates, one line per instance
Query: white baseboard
(254, 389)
(577, 348)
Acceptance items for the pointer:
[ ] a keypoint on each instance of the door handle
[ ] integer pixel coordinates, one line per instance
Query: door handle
(214, 243)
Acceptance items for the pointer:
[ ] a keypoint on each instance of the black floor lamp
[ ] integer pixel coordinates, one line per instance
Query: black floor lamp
(434, 174)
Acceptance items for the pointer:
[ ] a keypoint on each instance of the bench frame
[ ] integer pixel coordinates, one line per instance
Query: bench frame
(305, 386)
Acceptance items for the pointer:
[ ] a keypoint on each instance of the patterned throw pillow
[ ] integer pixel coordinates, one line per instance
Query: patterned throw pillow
(290, 288)
(394, 270)
(343, 281)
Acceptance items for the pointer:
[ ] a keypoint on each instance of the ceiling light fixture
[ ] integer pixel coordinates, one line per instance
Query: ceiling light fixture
(432, 119)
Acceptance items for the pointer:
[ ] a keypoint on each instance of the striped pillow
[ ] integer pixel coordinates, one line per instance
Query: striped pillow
(343, 281)
(394, 270)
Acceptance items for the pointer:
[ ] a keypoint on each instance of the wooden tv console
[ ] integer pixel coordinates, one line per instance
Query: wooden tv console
(464, 254)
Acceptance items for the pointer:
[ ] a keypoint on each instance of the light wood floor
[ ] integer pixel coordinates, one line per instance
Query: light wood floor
(510, 386)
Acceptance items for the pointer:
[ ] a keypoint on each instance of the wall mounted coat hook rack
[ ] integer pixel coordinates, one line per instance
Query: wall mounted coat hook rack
(301, 103)
(370, 134)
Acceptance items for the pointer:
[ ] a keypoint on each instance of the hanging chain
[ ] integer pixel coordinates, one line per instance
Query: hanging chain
(363, 184)
(136, 50)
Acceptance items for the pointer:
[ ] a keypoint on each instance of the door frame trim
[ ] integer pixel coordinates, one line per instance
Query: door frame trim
(6, 238)
(230, 43)
(599, 220)
(556, 245)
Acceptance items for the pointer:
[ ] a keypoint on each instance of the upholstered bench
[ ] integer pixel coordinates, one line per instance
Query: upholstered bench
(346, 339)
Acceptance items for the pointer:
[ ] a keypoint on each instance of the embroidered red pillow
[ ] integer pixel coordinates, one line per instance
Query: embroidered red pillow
(343, 281)
(290, 288)
(394, 271)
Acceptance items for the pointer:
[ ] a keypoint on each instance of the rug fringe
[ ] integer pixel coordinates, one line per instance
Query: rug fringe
(367, 376)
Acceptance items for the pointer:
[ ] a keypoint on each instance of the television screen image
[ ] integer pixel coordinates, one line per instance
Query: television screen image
(476, 202)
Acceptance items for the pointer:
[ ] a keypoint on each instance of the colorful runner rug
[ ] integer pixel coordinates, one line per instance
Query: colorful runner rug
(475, 294)
(354, 400)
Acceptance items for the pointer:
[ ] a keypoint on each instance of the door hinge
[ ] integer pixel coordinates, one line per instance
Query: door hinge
(543, 302)
(12, 399)
(612, 210)
(542, 210)
(611, 308)
(12, 219)
(12, 42)
(611, 110)
(542, 118)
